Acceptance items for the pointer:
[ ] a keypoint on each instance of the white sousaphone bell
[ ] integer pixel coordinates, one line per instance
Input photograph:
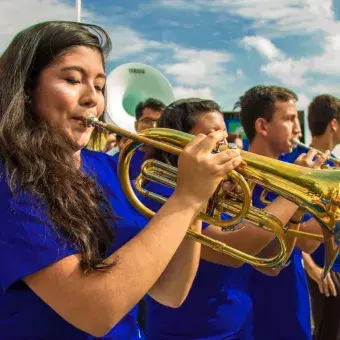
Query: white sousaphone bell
(128, 85)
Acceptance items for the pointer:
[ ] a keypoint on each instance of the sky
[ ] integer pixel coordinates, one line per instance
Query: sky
(209, 48)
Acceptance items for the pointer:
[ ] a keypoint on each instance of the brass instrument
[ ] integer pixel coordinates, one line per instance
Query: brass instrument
(316, 191)
(296, 142)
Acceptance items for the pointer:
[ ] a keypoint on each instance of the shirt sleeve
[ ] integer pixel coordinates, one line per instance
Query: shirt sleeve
(28, 240)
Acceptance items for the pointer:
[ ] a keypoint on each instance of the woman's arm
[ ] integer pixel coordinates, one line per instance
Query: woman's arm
(95, 302)
(177, 278)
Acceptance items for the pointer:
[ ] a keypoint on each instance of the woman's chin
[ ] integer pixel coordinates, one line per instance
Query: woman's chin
(80, 141)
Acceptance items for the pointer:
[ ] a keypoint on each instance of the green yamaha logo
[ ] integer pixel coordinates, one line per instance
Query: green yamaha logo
(137, 70)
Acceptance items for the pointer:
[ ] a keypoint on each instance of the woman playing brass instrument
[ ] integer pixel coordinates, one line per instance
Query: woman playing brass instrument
(218, 305)
(75, 258)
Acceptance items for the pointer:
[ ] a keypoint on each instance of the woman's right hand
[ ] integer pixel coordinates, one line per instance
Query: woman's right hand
(200, 171)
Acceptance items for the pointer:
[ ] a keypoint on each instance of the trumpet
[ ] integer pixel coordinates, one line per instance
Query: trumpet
(316, 191)
(296, 142)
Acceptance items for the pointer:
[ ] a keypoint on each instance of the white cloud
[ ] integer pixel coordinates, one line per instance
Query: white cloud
(181, 92)
(327, 62)
(197, 67)
(194, 71)
(17, 15)
(332, 89)
(288, 71)
(263, 46)
(126, 42)
(296, 72)
(273, 17)
(303, 102)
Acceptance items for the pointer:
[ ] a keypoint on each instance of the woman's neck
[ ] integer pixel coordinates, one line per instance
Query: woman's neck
(77, 158)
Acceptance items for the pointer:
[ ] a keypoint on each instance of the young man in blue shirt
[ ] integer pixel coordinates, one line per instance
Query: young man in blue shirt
(147, 115)
(280, 304)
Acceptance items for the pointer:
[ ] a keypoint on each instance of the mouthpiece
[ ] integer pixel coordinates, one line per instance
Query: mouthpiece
(90, 120)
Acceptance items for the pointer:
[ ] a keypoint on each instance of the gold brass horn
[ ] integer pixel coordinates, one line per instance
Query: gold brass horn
(316, 191)
(173, 141)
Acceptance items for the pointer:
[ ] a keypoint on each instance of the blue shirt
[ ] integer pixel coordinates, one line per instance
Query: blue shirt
(281, 309)
(28, 243)
(136, 163)
(217, 307)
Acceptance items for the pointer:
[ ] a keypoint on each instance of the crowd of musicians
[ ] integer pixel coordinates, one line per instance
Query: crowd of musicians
(77, 257)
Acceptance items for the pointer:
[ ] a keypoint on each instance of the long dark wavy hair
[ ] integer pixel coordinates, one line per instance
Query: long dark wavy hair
(41, 160)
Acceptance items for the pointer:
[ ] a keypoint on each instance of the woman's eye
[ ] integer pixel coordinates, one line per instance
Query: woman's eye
(72, 81)
(99, 88)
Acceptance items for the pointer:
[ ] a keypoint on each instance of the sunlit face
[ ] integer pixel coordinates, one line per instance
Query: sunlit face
(209, 122)
(283, 127)
(71, 89)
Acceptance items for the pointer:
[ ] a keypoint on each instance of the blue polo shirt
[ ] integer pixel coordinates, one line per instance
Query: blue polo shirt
(136, 163)
(281, 309)
(218, 305)
(28, 243)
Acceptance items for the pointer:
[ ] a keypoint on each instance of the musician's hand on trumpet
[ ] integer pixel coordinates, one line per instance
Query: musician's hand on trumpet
(312, 159)
(200, 171)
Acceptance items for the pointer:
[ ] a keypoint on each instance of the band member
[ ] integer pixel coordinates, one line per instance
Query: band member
(74, 259)
(270, 120)
(218, 305)
(147, 115)
(120, 143)
(323, 121)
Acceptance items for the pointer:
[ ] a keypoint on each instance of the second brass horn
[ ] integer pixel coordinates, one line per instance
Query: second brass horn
(317, 191)
(173, 141)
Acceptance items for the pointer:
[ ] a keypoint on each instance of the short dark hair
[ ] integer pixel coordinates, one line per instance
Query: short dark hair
(150, 103)
(182, 115)
(258, 102)
(321, 111)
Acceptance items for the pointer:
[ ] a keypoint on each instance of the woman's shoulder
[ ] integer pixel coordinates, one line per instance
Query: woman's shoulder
(99, 163)
(98, 157)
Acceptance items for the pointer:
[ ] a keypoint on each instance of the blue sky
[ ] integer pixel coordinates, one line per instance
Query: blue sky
(210, 48)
